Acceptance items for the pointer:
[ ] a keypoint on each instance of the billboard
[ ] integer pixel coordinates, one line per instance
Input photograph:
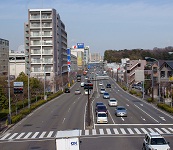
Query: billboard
(68, 58)
(80, 45)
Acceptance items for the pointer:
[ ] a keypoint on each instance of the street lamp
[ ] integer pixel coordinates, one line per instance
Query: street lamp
(9, 101)
(45, 98)
(150, 58)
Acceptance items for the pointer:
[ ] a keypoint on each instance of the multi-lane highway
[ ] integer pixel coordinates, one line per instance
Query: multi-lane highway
(68, 112)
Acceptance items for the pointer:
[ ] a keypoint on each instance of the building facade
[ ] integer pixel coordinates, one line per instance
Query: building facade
(95, 57)
(45, 46)
(4, 56)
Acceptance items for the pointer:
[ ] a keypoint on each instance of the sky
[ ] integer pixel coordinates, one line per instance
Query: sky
(99, 24)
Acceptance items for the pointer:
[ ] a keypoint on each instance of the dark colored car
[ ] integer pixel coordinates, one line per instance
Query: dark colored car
(101, 108)
(67, 90)
(99, 103)
(108, 85)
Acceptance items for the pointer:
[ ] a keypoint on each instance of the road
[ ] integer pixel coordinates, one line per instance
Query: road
(68, 112)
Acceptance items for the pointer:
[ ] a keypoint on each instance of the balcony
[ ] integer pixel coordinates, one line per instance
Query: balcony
(35, 25)
(46, 16)
(34, 17)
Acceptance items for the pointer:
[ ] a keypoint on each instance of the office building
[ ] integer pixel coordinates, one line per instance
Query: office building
(45, 46)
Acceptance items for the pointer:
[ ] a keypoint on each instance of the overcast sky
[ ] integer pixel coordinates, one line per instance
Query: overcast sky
(100, 24)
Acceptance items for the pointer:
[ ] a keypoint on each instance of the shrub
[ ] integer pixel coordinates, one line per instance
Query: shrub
(132, 92)
(16, 118)
(124, 88)
(138, 94)
(165, 107)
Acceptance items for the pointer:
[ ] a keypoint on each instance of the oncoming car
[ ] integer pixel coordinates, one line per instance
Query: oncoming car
(102, 117)
(112, 102)
(106, 95)
(121, 111)
(77, 92)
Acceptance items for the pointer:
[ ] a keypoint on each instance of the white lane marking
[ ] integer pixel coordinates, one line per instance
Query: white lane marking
(143, 118)
(142, 104)
(108, 131)
(137, 131)
(11, 137)
(163, 118)
(115, 130)
(63, 120)
(123, 131)
(158, 130)
(4, 137)
(144, 131)
(86, 132)
(127, 105)
(68, 110)
(130, 130)
(42, 135)
(27, 136)
(122, 118)
(151, 130)
(170, 129)
(111, 117)
(166, 130)
(146, 113)
(101, 131)
(94, 131)
(50, 134)
(35, 135)
(20, 135)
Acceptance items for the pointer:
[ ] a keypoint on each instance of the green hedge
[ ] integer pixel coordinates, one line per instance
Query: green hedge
(165, 107)
(133, 92)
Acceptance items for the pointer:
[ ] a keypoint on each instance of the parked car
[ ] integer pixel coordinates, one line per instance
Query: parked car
(102, 117)
(102, 90)
(101, 108)
(108, 85)
(112, 102)
(67, 90)
(106, 95)
(155, 141)
(121, 111)
(77, 92)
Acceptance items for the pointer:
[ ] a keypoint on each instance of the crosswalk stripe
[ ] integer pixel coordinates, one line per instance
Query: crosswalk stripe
(123, 131)
(94, 131)
(11, 137)
(86, 132)
(4, 137)
(35, 135)
(151, 130)
(42, 135)
(20, 135)
(101, 131)
(158, 130)
(27, 136)
(145, 131)
(108, 131)
(165, 130)
(130, 131)
(50, 134)
(137, 131)
(115, 130)
(170, 129)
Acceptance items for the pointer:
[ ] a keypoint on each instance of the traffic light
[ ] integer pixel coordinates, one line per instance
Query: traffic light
(18, 90)
(88, 86)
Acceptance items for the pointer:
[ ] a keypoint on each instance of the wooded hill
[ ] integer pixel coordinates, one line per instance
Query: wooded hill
(135, 54)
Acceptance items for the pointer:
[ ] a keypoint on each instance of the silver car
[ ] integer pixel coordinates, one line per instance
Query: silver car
(121, 111)
(112, 102)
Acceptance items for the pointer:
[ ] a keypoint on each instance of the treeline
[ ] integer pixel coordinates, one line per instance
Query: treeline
(134, 54)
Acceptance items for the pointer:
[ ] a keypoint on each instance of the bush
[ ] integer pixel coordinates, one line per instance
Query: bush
(124, 88)
(16, 118)
(165, 107)
(133, 92)
(4, 113)
(139, 94)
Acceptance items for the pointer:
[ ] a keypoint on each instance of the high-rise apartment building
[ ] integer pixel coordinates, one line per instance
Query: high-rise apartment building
(4, 56)
(95, 57)
(45, 46)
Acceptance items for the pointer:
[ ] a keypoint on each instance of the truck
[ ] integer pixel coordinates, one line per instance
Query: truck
(78, 78)
(68, 140)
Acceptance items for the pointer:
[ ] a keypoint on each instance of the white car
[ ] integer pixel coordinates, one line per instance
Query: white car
(82, 84)
(102, 117)
(112, 102)
(155, 141)
(106, 95)
(100, 83)
(86, 91)
(102, 90)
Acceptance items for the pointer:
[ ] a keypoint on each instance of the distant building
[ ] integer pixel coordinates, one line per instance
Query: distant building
(4, 56)
(45, 46)
(95, 57)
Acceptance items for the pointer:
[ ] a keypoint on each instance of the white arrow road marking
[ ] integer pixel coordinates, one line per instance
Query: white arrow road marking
(122, 118)
(141, 104)
(127, 104)
(143, 119)
(162, 118)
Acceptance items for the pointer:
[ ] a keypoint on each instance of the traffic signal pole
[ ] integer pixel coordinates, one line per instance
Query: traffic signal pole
(89, 119)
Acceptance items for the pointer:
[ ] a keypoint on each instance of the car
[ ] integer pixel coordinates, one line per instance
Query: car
(155, 141)
(102, 117)
(77, 92)
(101, 108)
(112, 102)
(99, 103)
(121, 111)
(101, 83)
(86, 78)
(67, 90)
(106, 95)
(108, 85)
(82, 84)
(102, 90)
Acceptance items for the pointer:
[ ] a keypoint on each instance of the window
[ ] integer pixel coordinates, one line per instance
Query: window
(169, 74)
(162, 74)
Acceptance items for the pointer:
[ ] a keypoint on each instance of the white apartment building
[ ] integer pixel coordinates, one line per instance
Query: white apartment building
(4, 56)
(95, 57)
(45, 46)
